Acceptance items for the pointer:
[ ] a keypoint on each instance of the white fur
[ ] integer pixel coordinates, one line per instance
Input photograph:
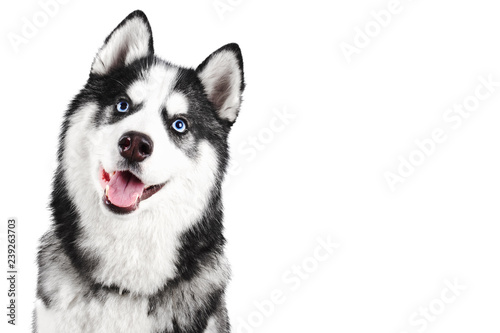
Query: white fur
(211, 326)
(46, 319)
(71, 311)
(177, 104)
(118, 314)
(154, 88)
(136, 251)
(131, 41)
(223, 66)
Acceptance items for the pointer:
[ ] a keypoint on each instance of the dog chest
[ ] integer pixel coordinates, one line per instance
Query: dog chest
(106, 314)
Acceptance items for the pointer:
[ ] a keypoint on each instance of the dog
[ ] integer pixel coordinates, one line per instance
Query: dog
(136, 241)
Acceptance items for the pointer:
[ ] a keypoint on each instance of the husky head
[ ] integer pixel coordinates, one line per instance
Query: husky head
(143, 153)
(157, 131)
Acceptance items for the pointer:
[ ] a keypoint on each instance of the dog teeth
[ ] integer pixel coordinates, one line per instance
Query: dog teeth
(136, 198)
(107, 190)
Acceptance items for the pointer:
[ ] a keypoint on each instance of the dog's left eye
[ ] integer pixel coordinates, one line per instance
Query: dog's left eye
(122, 106)
(179, 125)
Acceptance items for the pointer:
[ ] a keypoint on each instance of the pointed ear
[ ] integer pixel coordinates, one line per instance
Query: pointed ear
(222, 77)
(131, 40)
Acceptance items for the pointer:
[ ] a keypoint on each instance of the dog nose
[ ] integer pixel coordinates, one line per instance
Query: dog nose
(135, 146)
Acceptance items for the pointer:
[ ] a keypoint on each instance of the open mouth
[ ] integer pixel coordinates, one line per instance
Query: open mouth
(123, 191)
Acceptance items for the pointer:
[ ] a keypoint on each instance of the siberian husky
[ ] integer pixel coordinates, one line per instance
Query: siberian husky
(136, 242)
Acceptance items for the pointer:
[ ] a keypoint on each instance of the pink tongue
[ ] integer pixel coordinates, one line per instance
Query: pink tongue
(124, 188)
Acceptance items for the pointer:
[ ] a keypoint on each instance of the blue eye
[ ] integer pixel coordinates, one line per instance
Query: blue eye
(122, 106)
(179, 125)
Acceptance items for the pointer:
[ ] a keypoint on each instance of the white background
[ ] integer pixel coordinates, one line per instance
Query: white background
(322, 174)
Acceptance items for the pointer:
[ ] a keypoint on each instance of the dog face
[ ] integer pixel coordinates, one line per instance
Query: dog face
(149, 133)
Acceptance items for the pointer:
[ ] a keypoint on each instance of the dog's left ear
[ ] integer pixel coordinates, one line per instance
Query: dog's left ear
(132, 39)
(222, 77)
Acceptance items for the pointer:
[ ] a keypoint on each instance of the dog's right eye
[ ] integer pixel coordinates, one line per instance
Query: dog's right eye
(122, 106)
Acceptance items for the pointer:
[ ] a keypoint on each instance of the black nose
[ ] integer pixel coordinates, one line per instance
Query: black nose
(135, 146)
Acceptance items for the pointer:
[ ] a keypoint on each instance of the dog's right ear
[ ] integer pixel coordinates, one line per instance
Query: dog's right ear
(132, 39)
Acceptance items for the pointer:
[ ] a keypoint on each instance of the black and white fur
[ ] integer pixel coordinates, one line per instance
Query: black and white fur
(160, 268)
